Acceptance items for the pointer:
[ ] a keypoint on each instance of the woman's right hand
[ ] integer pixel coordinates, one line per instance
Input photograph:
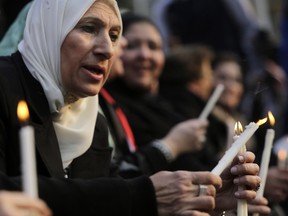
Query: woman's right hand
(187, 136)
(18, 204)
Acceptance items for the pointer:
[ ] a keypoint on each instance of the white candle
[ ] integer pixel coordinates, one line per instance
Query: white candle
(231, 153)
(242, 207)
(282, 157)
(29, 176)
(212, 101)
(27, 147)
(270, 133)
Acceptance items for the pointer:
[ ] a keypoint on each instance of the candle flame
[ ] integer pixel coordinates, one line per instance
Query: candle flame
(262, 121)
(271, 118)
(22, 111)
(238, 129)
(282, 154)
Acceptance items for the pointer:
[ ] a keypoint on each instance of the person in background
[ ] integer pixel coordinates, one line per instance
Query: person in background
(63, 61)
(227, 69)
(156, 155)
(14, 34)
(142, 42)
(187, 82)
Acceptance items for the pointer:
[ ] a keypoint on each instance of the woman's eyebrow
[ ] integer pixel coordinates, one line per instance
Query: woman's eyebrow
(98, 22)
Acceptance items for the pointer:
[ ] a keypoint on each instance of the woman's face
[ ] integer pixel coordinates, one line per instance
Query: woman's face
(117, 69)
(87, 51)
(230, 75)
(144, 57)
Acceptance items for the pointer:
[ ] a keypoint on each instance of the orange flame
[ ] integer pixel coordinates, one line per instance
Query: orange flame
(271, 118)
(22, 111)
(262, 121)
(238, 129)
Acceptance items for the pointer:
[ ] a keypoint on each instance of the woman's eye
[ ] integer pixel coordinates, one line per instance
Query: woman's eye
(88, 29)
(114, 37)
(132, 45)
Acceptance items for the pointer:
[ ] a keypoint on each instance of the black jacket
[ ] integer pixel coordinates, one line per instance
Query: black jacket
(81, 194)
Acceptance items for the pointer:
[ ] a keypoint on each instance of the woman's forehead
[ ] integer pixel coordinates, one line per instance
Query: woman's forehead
(105, 11)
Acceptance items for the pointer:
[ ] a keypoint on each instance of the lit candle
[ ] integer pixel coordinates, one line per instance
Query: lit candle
(27, 146)
(242, 208)
(282, 157)
(212, 101)
(270, 133)
(231, 153)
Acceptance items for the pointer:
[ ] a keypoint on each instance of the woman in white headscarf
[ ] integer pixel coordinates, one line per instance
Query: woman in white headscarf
(63, 61)
(64, 57)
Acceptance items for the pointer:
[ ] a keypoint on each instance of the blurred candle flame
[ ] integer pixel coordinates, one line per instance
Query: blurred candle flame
(282, 154)
(238, 129)
(271, 118)
(22, 111)
(262, 121)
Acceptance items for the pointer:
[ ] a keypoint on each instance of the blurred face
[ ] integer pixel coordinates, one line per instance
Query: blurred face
(117, 69)
(206, 81)
(230, 75)
(144, 57)
(87, 51)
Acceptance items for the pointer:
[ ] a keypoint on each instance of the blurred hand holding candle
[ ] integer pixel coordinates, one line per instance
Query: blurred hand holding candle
(27, 146)
(212, 101)
(231, 153)
(242, 207)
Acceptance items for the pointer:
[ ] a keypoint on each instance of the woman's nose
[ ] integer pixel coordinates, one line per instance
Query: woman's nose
(144, 51)
(103, 46)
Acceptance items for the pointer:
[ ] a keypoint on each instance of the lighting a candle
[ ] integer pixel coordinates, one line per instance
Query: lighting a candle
(282, 157)
(27, 147)
(212, 101)
(231, 153)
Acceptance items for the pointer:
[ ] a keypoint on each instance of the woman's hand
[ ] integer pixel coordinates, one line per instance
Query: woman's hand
(178, 193)
(242, 172)
(18, 204)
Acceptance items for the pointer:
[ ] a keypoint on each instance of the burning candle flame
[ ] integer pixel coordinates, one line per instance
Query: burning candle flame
(238, 129)
(282, 154)
(271, 118)
(22, 111)
(262, 121)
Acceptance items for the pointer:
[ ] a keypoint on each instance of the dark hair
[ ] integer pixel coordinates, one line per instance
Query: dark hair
(226, 57)
(130, 18)
(183, 64)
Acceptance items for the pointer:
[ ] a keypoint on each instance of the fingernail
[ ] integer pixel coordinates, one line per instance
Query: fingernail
(241, 158)
(237, 194)
(233, 170)
(236, 181)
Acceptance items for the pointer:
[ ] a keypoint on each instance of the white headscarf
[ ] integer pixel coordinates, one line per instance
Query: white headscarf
(48, 23)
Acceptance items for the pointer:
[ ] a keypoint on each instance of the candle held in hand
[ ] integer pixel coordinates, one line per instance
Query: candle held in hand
(27, 146)
(236, 146)
(270, 134)
(242, 207)
(212, 101)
